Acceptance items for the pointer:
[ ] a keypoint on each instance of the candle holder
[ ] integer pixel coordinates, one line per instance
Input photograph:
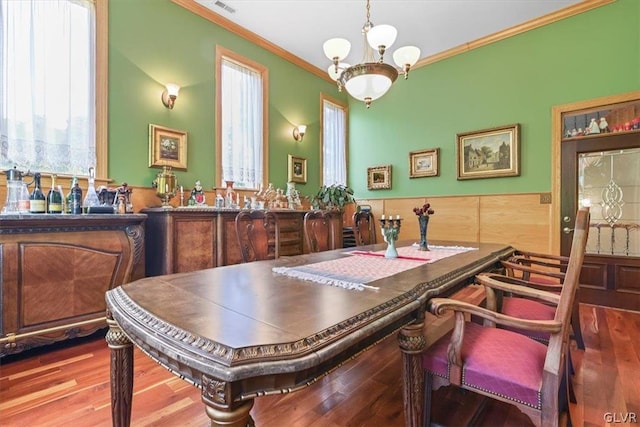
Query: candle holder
(390, 229)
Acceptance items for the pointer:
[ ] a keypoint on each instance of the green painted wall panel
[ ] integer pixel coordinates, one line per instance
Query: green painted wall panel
(153, 42)
(516, 80)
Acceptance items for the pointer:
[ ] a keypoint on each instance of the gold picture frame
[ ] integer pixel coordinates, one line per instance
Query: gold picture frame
(489, 153)
(297, 169)
(379, 177)
(424, 163)
(167, 147)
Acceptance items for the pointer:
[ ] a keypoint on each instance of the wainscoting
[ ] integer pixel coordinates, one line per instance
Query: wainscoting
(520, 220)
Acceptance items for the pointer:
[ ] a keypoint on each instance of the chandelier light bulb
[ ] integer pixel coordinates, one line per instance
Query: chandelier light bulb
(336, 48)
(381, 37)
(406, 57)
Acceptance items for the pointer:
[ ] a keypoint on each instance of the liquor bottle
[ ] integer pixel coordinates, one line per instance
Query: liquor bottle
(37, 201)
(74, 198)
(54, 198)
(91, 199)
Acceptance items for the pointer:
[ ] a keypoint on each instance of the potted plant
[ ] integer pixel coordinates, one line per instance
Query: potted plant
(329, 197)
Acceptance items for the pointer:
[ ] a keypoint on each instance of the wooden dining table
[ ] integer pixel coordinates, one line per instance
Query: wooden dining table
(244, 331)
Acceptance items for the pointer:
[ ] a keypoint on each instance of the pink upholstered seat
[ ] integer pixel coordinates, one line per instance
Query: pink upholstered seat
(496, 361)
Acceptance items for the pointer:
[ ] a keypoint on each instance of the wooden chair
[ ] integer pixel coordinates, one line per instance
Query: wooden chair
(364, 228)
(502, 364)
(254, 229)
(544, 272)
(319, 231)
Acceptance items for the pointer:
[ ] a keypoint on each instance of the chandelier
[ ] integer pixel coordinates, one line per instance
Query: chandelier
(370, 79)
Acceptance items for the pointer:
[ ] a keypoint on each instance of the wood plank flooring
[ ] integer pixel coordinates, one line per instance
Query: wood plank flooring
(68, 385)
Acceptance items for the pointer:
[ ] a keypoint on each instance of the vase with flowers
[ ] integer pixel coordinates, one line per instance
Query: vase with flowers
(423, 214)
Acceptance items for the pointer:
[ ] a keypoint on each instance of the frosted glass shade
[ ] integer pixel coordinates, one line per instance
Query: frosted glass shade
(172, 89)
(382, 35)
(336, 48)
(406, 55)
(335, 74)
(370, 86)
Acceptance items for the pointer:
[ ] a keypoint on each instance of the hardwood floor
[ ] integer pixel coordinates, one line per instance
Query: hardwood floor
(68, 385)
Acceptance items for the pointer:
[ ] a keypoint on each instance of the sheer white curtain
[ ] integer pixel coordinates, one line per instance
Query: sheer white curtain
(242, 118)
(47, 75)
(334, 144)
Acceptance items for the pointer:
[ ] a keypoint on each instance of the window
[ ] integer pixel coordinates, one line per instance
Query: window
(241, 118)
(50, 56)
(333, 141)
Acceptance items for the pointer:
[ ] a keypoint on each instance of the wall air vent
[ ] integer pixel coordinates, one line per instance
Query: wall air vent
(225, 7)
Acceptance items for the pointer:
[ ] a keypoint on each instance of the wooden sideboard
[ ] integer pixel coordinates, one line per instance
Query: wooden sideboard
(55, 270)
(179, 240)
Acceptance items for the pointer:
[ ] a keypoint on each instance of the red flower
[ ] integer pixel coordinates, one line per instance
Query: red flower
(425, 210)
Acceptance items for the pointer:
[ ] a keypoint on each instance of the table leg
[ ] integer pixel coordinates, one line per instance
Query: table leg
(121, 374)
(412, 343)
(220, 407)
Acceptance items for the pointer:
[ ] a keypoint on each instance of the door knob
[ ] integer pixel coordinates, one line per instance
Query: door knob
(566, 219)
(567, 230)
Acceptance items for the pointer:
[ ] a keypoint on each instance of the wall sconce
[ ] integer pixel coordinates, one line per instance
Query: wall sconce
(170, 94)
(298, 132)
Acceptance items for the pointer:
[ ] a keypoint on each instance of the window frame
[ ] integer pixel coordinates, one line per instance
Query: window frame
(102, 88)
(345, 107)
(227, 54)
(101, 91)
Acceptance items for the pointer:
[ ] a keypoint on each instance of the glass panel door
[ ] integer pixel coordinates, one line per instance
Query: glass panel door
(609, 182)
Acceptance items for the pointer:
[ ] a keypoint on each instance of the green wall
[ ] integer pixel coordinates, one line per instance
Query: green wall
(153, 42)
(516, 80)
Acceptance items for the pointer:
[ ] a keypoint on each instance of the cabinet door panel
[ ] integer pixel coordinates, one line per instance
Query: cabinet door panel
(194, 244)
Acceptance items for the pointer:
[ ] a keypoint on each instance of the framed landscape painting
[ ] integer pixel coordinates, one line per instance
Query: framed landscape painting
(489, 153)
(379, 177)
(423, 163)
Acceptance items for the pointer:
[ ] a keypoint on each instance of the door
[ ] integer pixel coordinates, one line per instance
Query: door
(602, 170)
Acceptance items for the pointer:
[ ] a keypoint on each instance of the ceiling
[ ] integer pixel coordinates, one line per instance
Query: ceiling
(302, 26)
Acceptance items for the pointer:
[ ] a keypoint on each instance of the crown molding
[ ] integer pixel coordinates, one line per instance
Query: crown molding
(550, 18)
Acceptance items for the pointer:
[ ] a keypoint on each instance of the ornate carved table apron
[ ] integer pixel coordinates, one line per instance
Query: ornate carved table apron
(243, 331)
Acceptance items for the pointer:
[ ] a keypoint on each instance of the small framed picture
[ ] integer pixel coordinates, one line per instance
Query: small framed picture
(489, 153)
(423, 163)
(297, 169)
(167, 147)
(379, 177)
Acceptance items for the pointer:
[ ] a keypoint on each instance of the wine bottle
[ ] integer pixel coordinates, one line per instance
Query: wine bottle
(54, 198)
(74, 198)
(37, 201)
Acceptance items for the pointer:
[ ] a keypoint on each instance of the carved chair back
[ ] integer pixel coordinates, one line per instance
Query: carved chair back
(258, 235)
(364, 228)
(319, 231)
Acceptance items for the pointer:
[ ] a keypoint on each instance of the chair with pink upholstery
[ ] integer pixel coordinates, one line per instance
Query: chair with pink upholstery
(503, 364)
(255, 229)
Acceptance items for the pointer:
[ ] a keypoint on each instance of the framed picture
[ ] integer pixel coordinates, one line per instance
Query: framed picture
(423, 163)
(379, 177)
(297, 169)
(167, 147)
(489, 153)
